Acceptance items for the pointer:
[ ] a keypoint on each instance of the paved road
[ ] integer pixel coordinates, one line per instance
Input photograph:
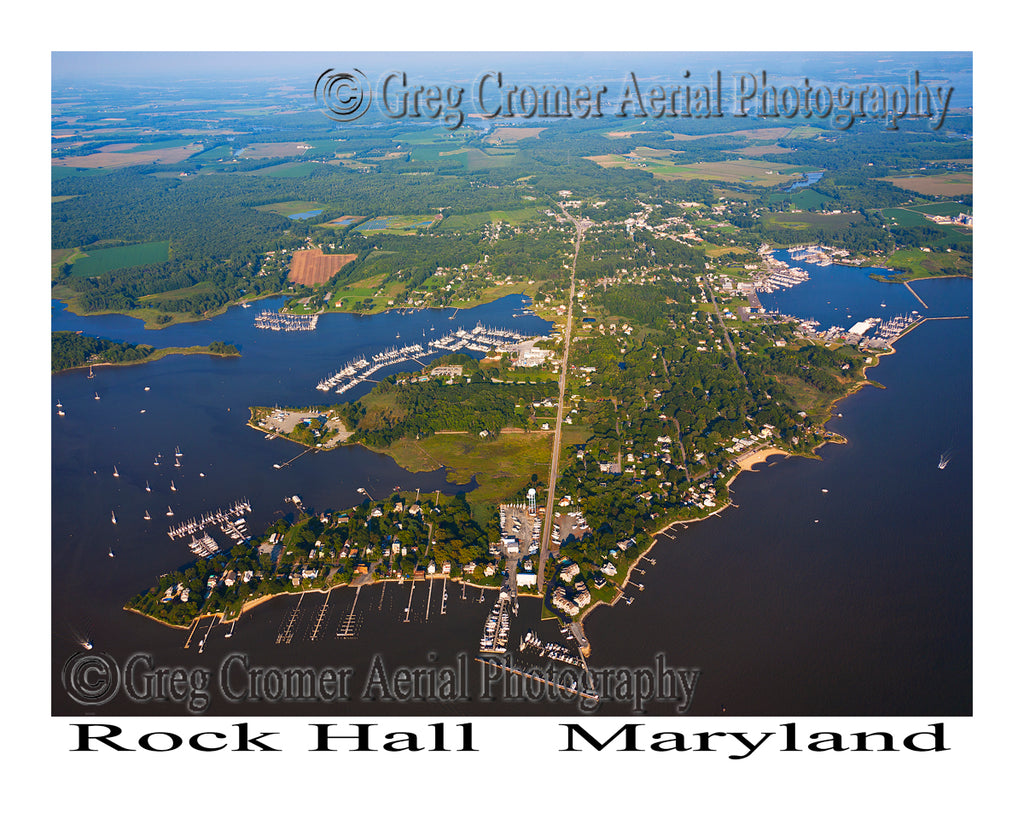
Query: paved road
(556, 445)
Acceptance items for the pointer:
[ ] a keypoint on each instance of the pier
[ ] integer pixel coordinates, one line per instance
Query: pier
(320, 617)
(269, 320)
(288, 632)
(347, 628)
(496, 627)
(479, 339)
(408, 607)
(222, 516)
(558, 686)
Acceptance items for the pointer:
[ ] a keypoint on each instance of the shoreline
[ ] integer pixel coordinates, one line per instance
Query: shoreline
(155, 356)
(249, 605)
(741, 464)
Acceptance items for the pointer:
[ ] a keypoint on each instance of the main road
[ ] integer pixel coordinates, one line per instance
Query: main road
(556, 444)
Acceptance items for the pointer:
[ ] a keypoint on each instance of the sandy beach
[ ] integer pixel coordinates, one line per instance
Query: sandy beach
(751, 459)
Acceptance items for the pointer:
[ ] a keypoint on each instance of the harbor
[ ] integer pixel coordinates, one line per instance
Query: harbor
(479, 339)
(281, 322)
(229, 519)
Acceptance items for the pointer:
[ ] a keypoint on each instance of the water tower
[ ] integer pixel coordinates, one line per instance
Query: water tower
(531, 500)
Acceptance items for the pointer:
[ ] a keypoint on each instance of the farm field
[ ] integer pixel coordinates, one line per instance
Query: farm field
(286, 170)
(762, 150)
(468, 221)
(803, 219)
(477, 160)
(273, 150)
(751, 171)
(123, 159)
(104, 260)
(504, 135)
(752, 134)
(313, 266)
(947, 184)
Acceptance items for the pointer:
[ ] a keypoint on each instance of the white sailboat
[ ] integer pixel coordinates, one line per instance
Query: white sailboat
(112, 518)
(173, 488)
(115, 471)
(169, 512)
(110, 551)
(147, 487)
(91, 374)
(146, 516)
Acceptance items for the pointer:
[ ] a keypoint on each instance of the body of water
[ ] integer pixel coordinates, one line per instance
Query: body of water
(854, 601)
(808, 180)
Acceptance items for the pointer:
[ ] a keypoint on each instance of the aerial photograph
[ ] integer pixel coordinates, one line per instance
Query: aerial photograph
(511, 384)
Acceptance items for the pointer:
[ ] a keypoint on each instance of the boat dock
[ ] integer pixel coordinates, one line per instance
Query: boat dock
(220, 517)
(320, 616)
(348, 628)
(496, 627)
(565, 689)
(288, 632)
(269, 320)
(480, 339)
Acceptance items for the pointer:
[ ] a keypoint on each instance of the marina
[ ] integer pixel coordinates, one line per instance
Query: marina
(496, 627)
(281, 322)
(221, 517)
(479, 339)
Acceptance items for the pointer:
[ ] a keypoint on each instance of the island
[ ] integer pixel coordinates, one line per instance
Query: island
(69, 351)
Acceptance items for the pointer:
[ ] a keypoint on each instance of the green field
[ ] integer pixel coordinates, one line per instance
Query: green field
(99, 261)
(477, 160)
(469, 221)
(214, 154)
(286, 170)
(923, 264)
(913, 216)
(803, 219)
(806, 199)
(750, 171)
(158, 146)
(498, 463)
